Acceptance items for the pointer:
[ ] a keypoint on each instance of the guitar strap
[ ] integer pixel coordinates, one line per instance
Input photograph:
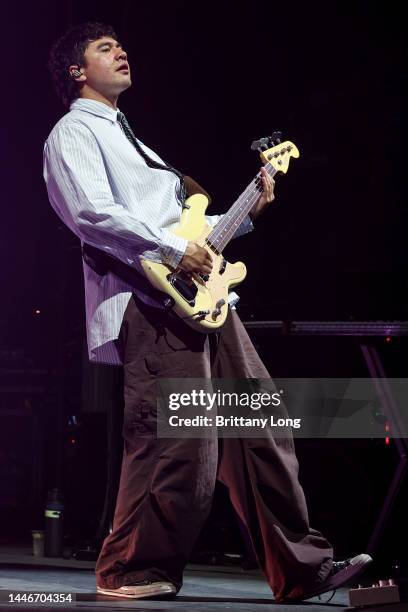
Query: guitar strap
(127, 130)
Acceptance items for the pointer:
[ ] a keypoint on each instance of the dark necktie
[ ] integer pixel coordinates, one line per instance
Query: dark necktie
(127, 130)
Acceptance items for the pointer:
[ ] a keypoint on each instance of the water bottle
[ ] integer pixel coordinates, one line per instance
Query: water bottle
(53, 524)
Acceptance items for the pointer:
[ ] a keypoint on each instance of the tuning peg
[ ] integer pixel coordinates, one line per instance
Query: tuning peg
(275, 138)
(260, 145)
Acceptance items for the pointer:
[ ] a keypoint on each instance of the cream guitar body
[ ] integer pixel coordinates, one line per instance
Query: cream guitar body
(203, 303)
(203, 306)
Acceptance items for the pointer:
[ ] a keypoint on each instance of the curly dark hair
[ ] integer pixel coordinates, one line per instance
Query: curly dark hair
(70, 49)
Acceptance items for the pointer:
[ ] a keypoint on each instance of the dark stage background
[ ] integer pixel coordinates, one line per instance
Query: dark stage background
(208, 78)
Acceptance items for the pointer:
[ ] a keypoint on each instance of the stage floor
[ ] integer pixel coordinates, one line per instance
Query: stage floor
(206, 589)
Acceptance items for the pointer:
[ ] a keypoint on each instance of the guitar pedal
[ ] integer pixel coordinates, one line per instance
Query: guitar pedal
(383, 592)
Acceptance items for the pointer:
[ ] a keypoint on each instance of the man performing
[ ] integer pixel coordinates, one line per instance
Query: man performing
(122, 200)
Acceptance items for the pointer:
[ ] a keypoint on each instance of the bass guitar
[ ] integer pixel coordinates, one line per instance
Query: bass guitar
(203, 303)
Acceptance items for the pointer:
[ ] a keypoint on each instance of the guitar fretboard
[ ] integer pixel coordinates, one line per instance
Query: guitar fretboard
(226, 228)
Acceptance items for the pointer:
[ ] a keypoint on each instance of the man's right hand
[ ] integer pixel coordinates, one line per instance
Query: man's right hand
(196, 259)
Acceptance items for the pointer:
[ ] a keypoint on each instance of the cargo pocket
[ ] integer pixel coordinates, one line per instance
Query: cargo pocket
(140, 413)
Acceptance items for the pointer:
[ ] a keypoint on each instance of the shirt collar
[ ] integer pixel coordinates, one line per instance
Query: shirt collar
(95, 108)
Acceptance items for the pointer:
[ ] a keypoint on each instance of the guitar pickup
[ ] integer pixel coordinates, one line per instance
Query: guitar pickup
(223, 266)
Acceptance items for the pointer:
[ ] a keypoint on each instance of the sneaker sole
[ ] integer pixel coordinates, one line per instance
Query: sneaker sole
(142, 594)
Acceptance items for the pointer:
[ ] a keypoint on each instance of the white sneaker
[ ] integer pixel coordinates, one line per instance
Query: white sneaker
(140, 591)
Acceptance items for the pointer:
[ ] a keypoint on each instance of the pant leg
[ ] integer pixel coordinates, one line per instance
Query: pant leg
(262, 477)
(166, 485)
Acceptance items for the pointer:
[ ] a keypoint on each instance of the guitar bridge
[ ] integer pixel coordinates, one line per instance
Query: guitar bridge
(186, 288)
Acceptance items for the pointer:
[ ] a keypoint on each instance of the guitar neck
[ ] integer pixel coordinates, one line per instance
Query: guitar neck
(226, 228)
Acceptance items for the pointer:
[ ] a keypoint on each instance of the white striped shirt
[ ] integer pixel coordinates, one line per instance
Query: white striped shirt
(102, 189)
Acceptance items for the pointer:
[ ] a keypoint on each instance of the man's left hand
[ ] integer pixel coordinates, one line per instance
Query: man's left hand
(267, 196)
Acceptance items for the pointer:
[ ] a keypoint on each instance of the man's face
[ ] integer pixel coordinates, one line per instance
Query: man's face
(106, 67)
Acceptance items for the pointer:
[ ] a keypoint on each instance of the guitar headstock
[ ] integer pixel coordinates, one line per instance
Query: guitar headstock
(275, 152)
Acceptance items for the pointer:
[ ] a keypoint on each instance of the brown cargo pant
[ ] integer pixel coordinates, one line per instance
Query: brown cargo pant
(166, 485)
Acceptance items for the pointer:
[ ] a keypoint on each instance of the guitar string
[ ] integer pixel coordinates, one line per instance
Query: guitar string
(220, 236)
(231, 221)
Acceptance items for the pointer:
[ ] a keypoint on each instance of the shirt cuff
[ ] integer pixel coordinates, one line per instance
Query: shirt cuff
(233, 299)
(213, 219)
(173, 249)
(245, 227)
